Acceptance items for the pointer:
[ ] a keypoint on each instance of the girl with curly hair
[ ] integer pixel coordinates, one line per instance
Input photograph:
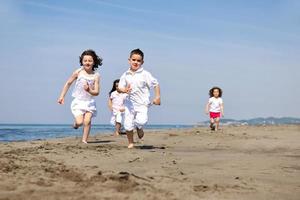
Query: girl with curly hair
(86, 88)
(215, 107)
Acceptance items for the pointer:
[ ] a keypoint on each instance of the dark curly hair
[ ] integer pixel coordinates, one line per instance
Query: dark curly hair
(211, 91)
(138, 52)
(96, 58)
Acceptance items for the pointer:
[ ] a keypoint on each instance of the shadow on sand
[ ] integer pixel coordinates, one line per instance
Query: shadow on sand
(101, 141)
(149, 147)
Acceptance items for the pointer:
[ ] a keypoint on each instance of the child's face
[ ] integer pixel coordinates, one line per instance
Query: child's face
(88, 62)
(135, 62)
(216, 93)
(117, 85)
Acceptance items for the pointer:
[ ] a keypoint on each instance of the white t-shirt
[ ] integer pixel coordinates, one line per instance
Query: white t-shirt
(140, 82)
(117, 100)
(215, 104)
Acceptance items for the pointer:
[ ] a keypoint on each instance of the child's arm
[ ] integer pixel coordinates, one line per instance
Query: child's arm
(123, 86)
(153, 83)
(222, 109)
(66, 87)
(110, 104)
(126, 90)
(95, 90)
(156, 100)
(207, 108)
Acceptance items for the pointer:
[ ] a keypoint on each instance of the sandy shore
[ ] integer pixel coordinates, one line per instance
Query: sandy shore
(236, 163)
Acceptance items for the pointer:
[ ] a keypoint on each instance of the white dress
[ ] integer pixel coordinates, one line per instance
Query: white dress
(83, 101)
(117, 105)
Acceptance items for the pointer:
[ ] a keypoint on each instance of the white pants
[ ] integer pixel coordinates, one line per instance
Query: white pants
(117, 117)
(135, 116)
(80, 107)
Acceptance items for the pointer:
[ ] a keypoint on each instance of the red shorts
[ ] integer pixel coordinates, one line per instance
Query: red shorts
(214, 115)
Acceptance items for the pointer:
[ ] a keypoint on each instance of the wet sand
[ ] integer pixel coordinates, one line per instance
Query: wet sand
(236, 163)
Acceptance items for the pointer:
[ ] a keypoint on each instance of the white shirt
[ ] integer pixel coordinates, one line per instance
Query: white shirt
(215, 104)
(140, 82)
(117, 100)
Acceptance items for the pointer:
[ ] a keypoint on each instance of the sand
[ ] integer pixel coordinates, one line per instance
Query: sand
(236, 163)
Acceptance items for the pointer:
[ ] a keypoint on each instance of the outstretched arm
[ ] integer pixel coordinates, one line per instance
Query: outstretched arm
(66, 87)
(156, 100)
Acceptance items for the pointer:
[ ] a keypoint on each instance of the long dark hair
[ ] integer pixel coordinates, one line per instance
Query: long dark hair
(211, 91)
(114, 88)
(97, 60)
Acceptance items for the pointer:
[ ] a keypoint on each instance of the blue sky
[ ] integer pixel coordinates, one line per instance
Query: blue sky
(249, 48)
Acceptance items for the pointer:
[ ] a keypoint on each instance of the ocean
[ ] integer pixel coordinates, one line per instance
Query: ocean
(30, 132)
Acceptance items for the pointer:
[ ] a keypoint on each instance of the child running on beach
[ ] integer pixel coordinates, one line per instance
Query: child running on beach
(116, 105)
(86, 87)
(215, 107)
(136, 82)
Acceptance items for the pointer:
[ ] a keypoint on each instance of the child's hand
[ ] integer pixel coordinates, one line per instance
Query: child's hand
(122, 109)
(61, 100)
(206, 112)
(128, 89)
(86, 87)
(156, 101)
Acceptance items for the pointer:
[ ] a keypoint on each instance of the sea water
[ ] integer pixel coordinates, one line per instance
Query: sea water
(29, 132)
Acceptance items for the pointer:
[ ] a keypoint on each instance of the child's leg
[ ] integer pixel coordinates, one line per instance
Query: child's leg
(87, 126)
(129, 124)
(212, 121)
(217, 123)
(140, 132)
(118, 128)
(118, 121)
(130, 139)
(141, 120)
(78, 121)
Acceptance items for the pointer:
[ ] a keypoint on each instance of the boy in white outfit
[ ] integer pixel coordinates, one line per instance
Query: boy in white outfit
(136, 82)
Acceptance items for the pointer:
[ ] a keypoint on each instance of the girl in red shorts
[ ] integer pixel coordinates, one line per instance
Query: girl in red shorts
(215, 107)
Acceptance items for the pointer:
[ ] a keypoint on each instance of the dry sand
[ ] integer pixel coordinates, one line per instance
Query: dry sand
(236, 163)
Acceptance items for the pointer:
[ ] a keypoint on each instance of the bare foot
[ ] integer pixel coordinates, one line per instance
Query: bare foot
(116, 133)
(130, 146)
(140, 133)
(85, 142)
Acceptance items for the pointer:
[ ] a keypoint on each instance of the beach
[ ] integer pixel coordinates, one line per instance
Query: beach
(243, 162)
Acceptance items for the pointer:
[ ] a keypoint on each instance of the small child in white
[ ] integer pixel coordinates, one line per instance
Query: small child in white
(215, 107)
(116, 105)
(136, 82)
(86, 88)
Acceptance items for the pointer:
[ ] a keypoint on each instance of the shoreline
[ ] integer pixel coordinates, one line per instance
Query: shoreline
(245, 162)
(150, 130)
(33, 132)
